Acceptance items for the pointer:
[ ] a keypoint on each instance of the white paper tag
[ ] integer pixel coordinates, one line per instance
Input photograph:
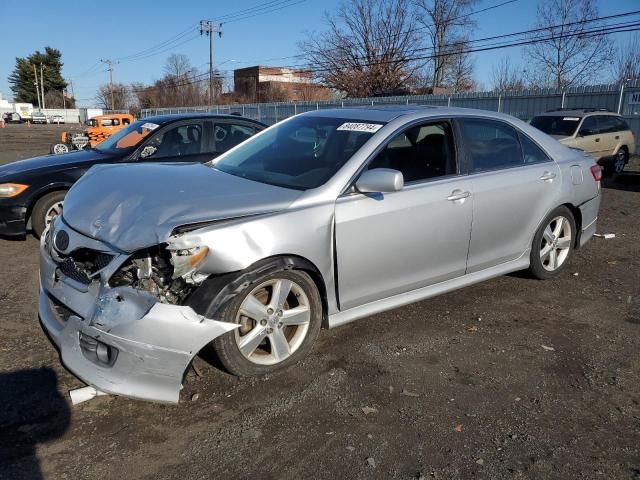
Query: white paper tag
(150, 126)
(360, 127)
(571, 119)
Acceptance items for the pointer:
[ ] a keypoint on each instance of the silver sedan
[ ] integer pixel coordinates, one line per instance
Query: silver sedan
(320, 220)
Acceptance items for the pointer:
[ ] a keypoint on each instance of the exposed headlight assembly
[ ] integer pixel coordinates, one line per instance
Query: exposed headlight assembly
(9, 190)
(187, 260)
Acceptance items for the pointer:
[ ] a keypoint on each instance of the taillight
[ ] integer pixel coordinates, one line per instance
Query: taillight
(596, 171)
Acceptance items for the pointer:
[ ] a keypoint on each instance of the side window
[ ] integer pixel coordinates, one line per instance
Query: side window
(531, 152)
(228, 135)
(621, 124)
(185, 139)
(610, 124)
(125, 121)
(106, 122)
(491, 145)
(589, 126)
(420, 153)
(115, 122)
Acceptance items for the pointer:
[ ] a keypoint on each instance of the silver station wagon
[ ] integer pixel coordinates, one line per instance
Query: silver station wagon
(324, 218)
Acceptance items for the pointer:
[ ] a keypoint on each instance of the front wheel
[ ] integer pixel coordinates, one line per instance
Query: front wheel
(59, 148)
(45, 210)
(553, 244)
(279, 316)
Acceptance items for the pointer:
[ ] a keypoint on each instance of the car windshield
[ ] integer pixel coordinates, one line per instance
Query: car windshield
(556, 125)
(127, 138)
(301, 153)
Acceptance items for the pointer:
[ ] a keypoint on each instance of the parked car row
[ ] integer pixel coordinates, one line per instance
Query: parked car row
(167, 245)
(37, 117)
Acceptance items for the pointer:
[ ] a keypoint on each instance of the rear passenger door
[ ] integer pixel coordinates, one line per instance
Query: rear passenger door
(227, 134)
(514, 183)
(609, 133)
(589, 137)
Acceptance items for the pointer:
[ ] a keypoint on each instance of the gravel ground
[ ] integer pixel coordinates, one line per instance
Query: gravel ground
(513, 378)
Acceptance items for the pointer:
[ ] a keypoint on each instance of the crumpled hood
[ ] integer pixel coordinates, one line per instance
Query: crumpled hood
(48, 161)
(138, 205)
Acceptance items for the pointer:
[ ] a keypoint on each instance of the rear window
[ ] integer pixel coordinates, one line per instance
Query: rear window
(557, 125)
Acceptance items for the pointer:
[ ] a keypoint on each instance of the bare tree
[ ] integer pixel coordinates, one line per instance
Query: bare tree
(366, 49)
(505, 77)
(626, 63)
(448, 24)
(570, 55)
(122, 98)
(177, 65)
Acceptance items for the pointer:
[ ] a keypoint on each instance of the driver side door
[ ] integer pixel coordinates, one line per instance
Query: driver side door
(184, 141)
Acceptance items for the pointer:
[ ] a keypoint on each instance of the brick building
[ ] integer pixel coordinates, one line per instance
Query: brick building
(275, 84)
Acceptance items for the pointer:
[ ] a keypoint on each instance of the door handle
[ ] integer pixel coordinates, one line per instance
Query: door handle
(548, 176)
(597, 139)
(617, 137)
(458, 195)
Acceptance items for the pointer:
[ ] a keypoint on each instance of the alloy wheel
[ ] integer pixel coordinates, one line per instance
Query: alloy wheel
(556, 243)
(274, 320)
(53, 211)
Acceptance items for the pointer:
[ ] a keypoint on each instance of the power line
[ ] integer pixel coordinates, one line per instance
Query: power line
(599, 31)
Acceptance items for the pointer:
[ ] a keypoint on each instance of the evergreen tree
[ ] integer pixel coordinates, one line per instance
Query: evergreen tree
(22, 78)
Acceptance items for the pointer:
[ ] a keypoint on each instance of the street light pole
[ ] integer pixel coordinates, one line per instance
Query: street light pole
(35, 74)
(42, 85)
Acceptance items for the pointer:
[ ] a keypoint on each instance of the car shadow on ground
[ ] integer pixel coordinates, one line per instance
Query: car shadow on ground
(31, 412)
(628, 181)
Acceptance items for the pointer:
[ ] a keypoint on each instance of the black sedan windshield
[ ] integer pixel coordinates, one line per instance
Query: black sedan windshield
(127, 138)
(301, 153)
(556, 124)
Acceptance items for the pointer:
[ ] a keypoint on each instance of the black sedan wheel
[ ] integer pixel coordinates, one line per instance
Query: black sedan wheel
(45, 210)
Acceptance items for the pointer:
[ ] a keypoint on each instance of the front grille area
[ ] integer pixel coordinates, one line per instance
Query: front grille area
(83, 263)
(69, 268)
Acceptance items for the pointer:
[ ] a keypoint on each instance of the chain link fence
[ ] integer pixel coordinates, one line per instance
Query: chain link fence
(524, 105)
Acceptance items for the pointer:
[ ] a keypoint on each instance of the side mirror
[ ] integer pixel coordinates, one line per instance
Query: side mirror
(148, 151)
(380, 180)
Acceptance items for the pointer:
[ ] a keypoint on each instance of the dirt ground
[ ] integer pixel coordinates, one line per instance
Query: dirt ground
(513, 378)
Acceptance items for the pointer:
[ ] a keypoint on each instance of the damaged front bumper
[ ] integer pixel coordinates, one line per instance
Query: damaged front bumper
(119, 340)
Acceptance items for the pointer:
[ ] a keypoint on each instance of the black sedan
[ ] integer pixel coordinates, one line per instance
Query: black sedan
(32, 191)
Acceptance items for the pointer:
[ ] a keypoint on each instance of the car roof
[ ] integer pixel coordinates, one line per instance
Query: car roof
(574, 112)
(387, 113)
(174, 117)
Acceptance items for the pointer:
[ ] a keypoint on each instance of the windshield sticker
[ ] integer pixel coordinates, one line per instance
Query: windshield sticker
(150, 126)
(571, 119)
(360, 127)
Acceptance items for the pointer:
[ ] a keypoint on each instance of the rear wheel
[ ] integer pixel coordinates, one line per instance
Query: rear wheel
(279, 316)
(553, 244)
(45, 210)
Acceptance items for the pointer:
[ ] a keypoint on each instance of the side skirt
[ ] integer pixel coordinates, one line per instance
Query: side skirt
(423, 293)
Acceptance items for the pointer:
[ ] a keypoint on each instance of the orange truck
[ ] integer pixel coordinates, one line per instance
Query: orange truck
(96, 130)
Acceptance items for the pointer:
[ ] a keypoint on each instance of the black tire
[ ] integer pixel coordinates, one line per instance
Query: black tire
(40, 209)
(537, 267)
(615, 166)
(226, 346)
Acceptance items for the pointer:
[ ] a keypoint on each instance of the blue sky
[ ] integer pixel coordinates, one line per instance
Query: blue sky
(85, 32)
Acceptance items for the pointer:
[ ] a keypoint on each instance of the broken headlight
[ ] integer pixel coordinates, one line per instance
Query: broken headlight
(186, 260)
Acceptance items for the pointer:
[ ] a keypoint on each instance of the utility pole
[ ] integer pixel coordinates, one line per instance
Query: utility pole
(209, 28)
(35, 74)
(110, 69)
(42, 84)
